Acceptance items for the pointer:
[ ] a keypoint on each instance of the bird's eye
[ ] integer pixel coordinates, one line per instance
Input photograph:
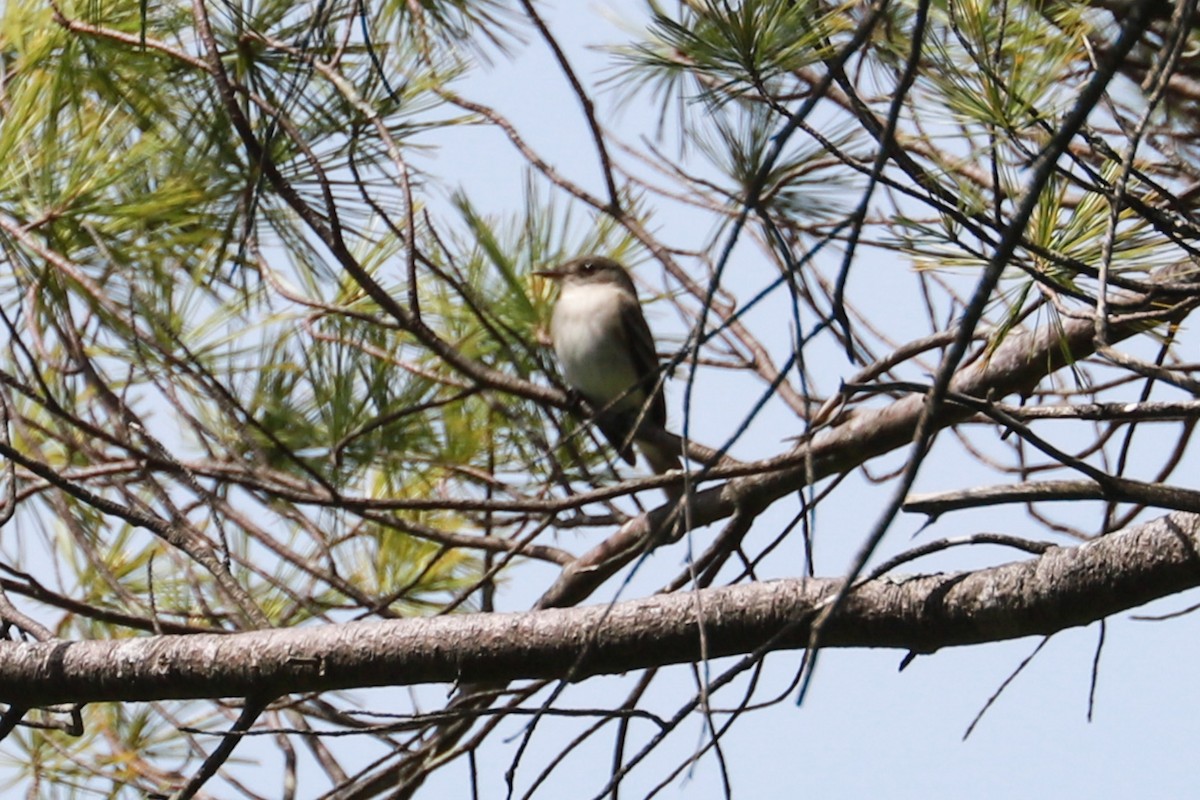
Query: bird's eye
(587, 267)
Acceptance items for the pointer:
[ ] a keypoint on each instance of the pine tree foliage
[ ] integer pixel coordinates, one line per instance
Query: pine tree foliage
(269, 363)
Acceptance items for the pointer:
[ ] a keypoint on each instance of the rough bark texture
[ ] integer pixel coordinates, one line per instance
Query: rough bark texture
(1066, 587)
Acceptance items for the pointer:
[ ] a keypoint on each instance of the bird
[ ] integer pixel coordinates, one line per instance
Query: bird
(606, 353)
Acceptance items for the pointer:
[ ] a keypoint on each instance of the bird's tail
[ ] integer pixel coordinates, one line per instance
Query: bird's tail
(662, 460)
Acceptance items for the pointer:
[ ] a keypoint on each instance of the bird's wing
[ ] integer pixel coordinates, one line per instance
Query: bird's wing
(616, 429)
(645, 359)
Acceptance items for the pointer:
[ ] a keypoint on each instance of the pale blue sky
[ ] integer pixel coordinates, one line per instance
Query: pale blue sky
(866, 730)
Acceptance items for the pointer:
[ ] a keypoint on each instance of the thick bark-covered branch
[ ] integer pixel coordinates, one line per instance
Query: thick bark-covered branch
(1066, 587)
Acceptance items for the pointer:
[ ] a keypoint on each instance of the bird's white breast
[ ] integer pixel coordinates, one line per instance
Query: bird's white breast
(589, 341)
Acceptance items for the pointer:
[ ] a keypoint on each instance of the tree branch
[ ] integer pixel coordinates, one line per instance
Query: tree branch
(1064, 588)
(1015, 366)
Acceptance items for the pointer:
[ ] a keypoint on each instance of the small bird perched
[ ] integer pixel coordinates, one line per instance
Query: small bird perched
(606, 353)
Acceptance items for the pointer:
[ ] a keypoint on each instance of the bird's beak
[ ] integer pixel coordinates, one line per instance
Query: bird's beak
(552, 274)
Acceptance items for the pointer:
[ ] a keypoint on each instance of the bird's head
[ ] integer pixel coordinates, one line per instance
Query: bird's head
(589, 271)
